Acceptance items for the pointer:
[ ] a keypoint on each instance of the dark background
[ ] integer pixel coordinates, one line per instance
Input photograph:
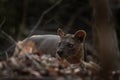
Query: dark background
(21, 16)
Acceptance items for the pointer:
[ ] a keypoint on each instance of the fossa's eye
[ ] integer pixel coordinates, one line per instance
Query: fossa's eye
(70, 45)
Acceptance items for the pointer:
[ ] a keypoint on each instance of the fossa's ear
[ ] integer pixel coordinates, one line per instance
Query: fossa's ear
(80, 35)
(60, 32)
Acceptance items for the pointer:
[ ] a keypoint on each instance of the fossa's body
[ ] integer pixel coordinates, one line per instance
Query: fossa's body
(67, 47)
(38, 44)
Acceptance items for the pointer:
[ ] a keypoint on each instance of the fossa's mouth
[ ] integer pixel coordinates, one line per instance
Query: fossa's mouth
(72, 59)
(59, 56)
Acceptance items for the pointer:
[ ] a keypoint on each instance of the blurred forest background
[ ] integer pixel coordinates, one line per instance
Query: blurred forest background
(21, 16)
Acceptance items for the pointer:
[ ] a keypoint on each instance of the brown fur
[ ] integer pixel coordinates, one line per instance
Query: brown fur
(71, 46)
(27, 47)
(71, 49)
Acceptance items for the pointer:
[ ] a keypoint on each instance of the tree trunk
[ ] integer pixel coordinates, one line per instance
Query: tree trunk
(104, 36)
(24, 16)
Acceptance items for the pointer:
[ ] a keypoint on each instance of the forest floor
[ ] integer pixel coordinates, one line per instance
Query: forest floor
(41, 68)
(45, 68)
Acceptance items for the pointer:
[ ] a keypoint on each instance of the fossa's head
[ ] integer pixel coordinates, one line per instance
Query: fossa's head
(70, 46)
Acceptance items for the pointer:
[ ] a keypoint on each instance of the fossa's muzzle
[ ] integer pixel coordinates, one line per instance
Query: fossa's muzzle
(73, 59)
(60, 53)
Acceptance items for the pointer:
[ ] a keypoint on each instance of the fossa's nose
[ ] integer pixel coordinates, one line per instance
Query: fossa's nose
(60, 53)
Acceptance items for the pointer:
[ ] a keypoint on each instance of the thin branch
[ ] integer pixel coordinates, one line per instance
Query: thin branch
(8, 49)
(2, 23)
(6, 53)
(42, 16)
(13, 41)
